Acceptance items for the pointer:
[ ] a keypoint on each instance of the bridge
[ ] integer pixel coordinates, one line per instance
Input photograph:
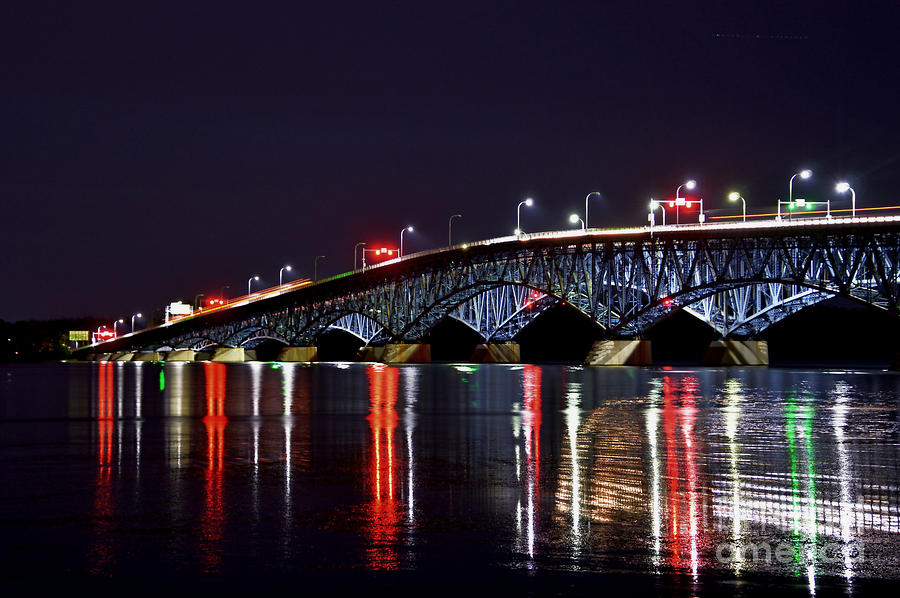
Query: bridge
(739, 278)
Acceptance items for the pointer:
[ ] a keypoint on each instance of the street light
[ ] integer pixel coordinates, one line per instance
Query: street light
(528, 202)
(803, 174)
(197, 300)
(280, 272)
(574, 219)
(658, 204)
(132, 321)
(355, 247)
(843, 187)
(115, 324)
(734, 196)
(450, 229)
(250, 280)
(403, 230)
(691, 184)
(316, 267)
(597, 193)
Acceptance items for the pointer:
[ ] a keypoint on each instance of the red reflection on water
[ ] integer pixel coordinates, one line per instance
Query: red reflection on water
(213, 520)
(681, 474)
(102, 551)
(383, 511)
(532, 387)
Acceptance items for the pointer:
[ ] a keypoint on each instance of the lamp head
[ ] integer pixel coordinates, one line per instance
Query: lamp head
(691, 184)
(805, 174)
(529, 202)
(121, 321)
(654, 204)
(139, 315)
(842, 187)
(409, 229)
(734, 196)
(288, 268)
(256, 278)
(574, 218)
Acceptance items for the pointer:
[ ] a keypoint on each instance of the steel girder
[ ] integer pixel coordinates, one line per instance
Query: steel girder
(738, 284)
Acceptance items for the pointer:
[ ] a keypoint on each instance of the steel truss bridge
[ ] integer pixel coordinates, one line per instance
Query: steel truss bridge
(737, 278)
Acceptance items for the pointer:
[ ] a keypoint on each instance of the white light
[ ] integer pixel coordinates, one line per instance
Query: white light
(842, 187)
(139, 315)
(256, 278)
(653, 204)
(409, 228)
(691, 184)
(518, 231)
(734, 196)
(805, 174)
(574, 218)
(288, 268)
(529, 202)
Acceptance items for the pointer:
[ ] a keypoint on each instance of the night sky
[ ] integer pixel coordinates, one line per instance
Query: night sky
(149, 154)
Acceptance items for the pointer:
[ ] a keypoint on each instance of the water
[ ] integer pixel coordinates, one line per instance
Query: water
(539, 478)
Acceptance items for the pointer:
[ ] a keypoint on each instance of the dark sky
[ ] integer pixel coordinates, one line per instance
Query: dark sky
(149, 154)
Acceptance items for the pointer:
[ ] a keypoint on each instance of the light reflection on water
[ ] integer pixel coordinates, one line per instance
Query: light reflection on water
(696, 472)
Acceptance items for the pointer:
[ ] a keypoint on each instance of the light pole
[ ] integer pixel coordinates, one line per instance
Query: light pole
(528, 202)
(197, 299)
(587, 197)
(574, 219)
(115, 324)
(316, 267)
(280, 272)
(843, 187)
(355, 247)
(691, 184)
(132, 321)
(803, 174)
(734, 196)
(661, 205)
(249, 281)
(450, 229)
(403, 230)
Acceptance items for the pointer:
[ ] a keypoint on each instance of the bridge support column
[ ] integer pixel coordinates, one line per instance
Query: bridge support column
(407, 353)
(146, 356)
(181, 355)
(233, 355)
(299, 354)
(122, 356)
(733, 352)
(619, 352)
(497, 353)
(370, 353)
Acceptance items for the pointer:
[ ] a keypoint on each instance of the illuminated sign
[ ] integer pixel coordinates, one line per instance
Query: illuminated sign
(79, 335)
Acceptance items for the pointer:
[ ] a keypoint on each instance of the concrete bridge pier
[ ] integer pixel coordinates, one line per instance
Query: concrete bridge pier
(147, 356)
(737, 352)
(299, 354)
(181, 355)
(122, 356)
(233, 355)
(497, 353)
(407, 353)
(370, 353)
(619, 352)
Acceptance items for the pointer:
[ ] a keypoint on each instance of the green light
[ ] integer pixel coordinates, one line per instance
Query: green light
(162, 380)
